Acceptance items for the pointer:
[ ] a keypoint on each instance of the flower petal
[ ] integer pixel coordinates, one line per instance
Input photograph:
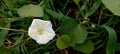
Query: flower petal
(41, 31)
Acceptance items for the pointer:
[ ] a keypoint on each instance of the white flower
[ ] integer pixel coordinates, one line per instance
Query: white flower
(41, 31)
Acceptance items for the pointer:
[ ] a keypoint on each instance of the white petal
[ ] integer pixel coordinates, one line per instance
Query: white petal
(41, 31)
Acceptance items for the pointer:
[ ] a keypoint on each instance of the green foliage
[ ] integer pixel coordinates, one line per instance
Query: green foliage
(80, 34)
(57, 15)
(86, 47)
(76, 32)
(113, 6)
(2, 14)
(112, 41)
(93, 9)
(9, 4)
(4, 34)
(68, 25)
(76, 1)
(4, 50)
(31, 11)
(81, 25)
(63, 42)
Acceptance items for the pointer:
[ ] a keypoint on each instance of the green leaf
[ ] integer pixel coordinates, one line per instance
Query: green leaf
(15, 50)
(76, 1)
(4, 15)
(112, 40)
(63, 42)
(2, 23)
(9, 4)
(46, 4)
(4, 34)
(19, 40)
(23, 1)
(93, 9)
(78, 35)
(68, 28)
(16, 47)
(86, 47)
(4, 50)
(113, 6)
(24, 49)
(117, 47)
(57, 15)
(68, 25)
(76, 32)
(31, 11)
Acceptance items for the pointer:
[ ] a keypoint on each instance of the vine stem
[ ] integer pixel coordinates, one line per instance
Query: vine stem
(66, 51)
(13, 29)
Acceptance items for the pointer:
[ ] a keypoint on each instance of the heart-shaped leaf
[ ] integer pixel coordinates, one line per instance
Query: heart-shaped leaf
(63, 42)
(76, 32)
(86, 47)
(31, 11)
(79, 35)
(113, 6)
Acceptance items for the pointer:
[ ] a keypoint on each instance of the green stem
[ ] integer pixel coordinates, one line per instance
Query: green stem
(13, 29)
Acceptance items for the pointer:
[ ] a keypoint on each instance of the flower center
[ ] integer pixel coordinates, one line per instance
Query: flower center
(41, 28)
(40, 32)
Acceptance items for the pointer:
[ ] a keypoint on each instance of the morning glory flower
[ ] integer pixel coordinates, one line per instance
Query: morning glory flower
(41, 31)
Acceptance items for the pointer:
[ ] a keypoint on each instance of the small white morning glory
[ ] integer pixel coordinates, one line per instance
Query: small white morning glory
(41, 31)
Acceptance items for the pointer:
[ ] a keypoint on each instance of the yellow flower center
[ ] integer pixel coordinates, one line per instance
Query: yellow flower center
(40, 32)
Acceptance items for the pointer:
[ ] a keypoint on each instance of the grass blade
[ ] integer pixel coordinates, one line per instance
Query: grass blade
(112, 39)
(93, 9)
(4, 34)
(57, 15)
